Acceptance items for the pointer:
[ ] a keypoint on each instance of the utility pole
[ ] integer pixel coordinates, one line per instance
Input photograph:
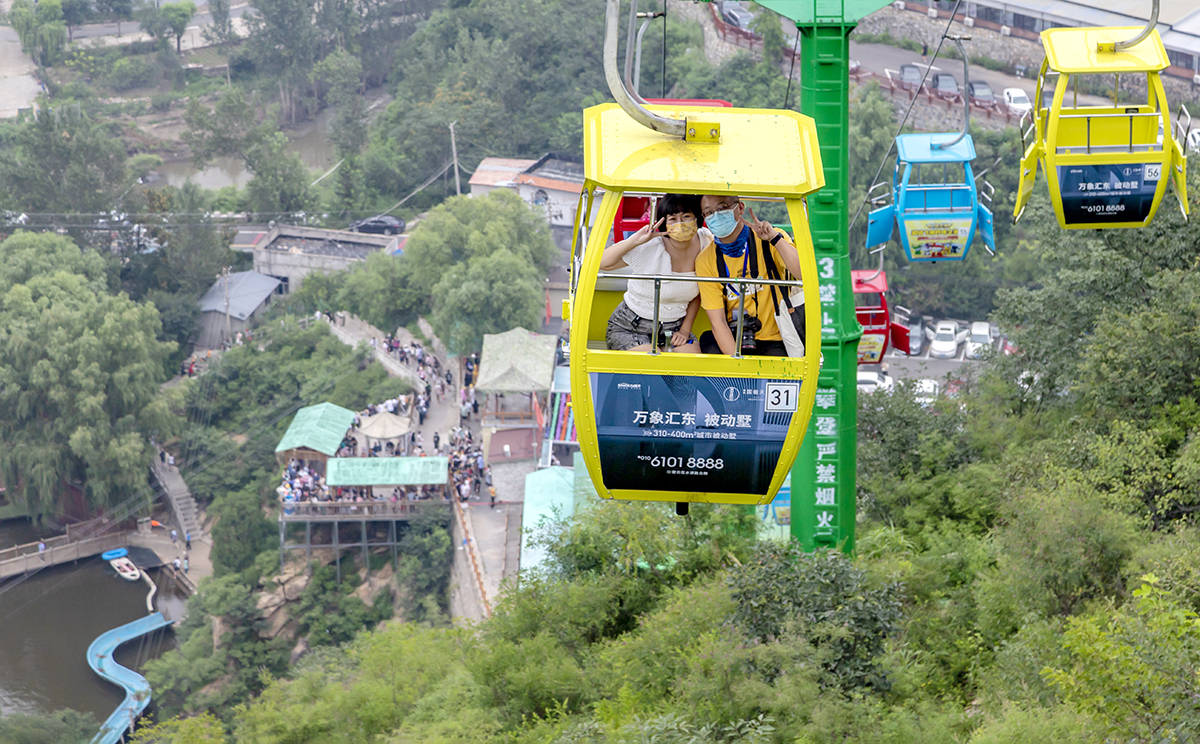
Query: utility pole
(228, 324)
(454, 154)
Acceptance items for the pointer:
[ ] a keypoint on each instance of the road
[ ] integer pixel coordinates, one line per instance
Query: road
(18, 87)
(877, 58)
(903, 367)
(130, 28)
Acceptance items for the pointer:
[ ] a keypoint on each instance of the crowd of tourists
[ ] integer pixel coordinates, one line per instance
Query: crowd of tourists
(302, 484)
(469, 476)
(468, 472)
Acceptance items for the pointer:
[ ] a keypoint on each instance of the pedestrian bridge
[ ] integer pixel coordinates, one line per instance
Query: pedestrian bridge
(137, 689)
(81, 541)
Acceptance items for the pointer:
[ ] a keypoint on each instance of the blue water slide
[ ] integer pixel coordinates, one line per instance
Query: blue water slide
(137, 689)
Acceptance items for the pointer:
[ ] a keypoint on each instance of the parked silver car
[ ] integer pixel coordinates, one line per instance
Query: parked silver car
(946, 338)
(979, 340)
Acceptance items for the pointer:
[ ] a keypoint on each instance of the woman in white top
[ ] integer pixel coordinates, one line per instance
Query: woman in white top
(669, 253)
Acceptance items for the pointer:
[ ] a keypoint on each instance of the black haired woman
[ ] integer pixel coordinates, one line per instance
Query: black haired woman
(666, 247)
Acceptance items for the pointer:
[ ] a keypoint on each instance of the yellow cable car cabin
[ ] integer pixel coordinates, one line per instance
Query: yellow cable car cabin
(1106, 165)
(681, 427)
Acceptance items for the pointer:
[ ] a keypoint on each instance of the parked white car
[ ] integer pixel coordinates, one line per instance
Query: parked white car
(926, 391)
(870, 382)
(946, 338)
(979, 339)
(1016, 100)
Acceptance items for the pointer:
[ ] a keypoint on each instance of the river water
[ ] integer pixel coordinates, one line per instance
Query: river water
(47, 621)
(309, 140)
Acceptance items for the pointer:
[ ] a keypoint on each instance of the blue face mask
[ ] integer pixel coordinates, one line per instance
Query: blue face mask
(721, 223)
(737, 247)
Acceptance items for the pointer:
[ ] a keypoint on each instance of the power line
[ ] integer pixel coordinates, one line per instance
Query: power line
(420, 188)
(903, 121)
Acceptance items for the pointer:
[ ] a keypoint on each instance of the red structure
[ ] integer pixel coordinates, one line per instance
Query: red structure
(871, 309)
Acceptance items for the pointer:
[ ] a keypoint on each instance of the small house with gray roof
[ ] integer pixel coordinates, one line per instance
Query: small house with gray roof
(247, 296)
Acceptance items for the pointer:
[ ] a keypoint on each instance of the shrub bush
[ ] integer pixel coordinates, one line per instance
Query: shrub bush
(132, 72)
(161, 101)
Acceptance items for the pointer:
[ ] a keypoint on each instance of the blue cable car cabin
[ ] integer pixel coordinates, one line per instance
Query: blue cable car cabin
(935, 205)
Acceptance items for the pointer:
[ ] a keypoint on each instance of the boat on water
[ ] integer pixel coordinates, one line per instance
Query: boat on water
(120, 562)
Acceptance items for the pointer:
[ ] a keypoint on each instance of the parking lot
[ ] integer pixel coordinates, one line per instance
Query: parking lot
(902, 366)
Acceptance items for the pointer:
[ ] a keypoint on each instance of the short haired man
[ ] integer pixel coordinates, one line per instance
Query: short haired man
(741, 248)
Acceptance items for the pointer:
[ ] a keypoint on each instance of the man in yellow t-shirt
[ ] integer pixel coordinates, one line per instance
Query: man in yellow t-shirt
(739, 246)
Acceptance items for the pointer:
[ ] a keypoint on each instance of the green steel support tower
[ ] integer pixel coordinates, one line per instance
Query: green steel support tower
(823, 476)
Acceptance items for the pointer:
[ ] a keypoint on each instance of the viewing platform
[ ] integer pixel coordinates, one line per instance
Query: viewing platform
(353, 511)
(360, 514)
(137, 689)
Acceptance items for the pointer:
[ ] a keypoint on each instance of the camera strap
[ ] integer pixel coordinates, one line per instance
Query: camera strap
(750, 258)
(774, 273)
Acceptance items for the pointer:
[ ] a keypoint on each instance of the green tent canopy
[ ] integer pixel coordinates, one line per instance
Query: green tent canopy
(387, 471)
(320, 428)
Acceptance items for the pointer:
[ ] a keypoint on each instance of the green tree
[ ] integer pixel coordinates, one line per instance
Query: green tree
(221, 660)
(177, 16)
(61, 726)
(462, 315)
(329, 615)
(767, 25)
(1126, 370)
(447, 72)
(825, 599)
(220, 31)
(58, 146)
(286, 43)
(118, 10)
(232, 127)
(41, 28)
(281, 182)
(1062, 548)
(81, 369)
(464, 228)
(426, 550)
(1135, 668)
(74, 13)
(154, 22)
(240, 533)
(201, 729)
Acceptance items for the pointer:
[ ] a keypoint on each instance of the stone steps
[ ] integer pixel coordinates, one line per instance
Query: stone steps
(179, 499)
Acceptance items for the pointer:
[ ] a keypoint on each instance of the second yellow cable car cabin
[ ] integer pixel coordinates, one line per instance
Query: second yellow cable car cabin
(1106, 166)
(675, 427)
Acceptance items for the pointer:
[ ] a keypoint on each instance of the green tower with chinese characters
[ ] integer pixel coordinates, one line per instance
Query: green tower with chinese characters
(823, 476)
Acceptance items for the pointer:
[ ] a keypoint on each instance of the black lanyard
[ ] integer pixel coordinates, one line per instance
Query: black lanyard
(751, 259)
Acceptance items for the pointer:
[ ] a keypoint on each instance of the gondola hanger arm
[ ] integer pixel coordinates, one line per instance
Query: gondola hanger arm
(1117, 46)
(688, 130)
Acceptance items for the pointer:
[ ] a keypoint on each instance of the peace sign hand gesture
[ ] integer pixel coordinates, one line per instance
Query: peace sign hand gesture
(763, 229)
(648, 232)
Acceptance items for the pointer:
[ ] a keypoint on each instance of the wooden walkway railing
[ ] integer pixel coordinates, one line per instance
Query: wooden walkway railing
(330, 511)
(473, 553)
(26, 558)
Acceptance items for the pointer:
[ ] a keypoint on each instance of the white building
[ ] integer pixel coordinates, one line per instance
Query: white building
(550, 183)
